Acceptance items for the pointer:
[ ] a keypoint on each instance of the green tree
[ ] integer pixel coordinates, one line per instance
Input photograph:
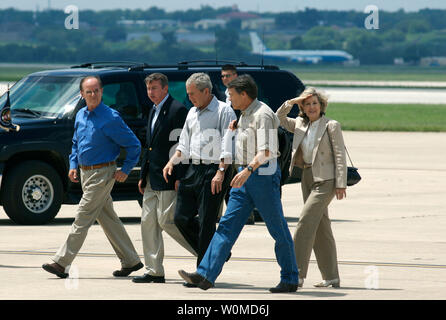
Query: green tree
(323, 38)
(227, 43)
(115, 33)
(364, 45)
(297, 43)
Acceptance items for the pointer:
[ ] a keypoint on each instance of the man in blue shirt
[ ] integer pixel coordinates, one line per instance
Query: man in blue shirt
(99, 133)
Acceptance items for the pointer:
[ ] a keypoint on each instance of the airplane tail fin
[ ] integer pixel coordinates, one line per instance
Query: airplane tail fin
(257, 45)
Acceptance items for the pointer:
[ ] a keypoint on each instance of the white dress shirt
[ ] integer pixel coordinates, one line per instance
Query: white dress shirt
(157, 111)
(203, 130)
(228, 101)
(309, 142)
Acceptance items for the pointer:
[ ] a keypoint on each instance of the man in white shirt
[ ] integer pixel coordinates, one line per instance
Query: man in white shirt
(228, 73)
(204, 185)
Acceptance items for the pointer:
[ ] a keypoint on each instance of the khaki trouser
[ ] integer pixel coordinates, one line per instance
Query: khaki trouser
(158, 212)
(314, 228)
(97, 205)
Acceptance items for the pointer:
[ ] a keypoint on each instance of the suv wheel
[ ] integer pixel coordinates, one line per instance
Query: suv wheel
(32, 193)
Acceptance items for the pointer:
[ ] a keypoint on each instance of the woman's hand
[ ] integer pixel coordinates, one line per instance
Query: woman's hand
(298, 100)
(341, 193)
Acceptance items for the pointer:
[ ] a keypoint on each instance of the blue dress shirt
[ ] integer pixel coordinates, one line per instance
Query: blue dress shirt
(98, 136)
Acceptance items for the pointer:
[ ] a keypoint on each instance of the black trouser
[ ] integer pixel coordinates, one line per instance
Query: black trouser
(195, 197)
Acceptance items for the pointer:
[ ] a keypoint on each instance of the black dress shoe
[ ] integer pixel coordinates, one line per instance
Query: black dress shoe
(124, 272)
(147, 278)
(284, 287)
(56, 269)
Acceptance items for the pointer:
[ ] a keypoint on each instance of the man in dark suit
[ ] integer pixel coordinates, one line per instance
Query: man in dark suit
(165, 121)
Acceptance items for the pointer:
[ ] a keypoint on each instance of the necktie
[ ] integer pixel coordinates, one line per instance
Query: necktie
(153, 119)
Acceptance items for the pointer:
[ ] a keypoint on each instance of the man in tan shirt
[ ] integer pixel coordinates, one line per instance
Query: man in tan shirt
(257, 184)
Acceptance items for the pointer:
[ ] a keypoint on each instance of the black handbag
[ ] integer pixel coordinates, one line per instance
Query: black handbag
(353, 176)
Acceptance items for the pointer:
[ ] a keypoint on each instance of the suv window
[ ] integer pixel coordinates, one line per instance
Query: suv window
(123, 98)
(45, 95)
(177, 89)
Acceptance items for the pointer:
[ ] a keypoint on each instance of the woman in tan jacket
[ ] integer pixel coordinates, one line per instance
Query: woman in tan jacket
(318, 148)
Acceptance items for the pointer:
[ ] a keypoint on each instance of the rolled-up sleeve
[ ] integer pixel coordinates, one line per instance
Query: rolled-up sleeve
(267, 138)
(228, 115)
(184, 141)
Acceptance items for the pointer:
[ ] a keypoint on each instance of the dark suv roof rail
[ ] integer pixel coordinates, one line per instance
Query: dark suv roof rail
(105, 64)
(184, 65)
(219, 63)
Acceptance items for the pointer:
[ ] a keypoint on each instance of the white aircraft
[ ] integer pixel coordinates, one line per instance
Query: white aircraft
(302, 56)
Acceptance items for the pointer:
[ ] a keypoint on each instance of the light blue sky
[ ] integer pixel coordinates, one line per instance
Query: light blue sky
(244, 5)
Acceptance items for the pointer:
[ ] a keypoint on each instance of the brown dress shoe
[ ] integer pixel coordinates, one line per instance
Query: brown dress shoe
(124, 272)
(195, 280)
(56, 269)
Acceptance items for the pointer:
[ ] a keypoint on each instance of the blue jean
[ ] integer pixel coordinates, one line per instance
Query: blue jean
(262, 192)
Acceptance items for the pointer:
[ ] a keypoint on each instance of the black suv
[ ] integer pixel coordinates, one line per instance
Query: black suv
(34, 161)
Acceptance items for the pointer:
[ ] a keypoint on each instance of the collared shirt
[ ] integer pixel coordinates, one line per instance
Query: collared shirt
(228, 101)
(309, 141)
(201, 137)
(98, 136)
(257, 131)
(157, 111)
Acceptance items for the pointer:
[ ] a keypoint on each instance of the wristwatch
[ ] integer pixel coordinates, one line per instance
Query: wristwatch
(221, 169)
(250, 169)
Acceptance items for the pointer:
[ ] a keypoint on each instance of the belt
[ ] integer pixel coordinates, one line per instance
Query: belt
(307, 165)
(98, 166)
(205, 162)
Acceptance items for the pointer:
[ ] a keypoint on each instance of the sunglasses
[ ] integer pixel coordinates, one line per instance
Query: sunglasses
(227, 75)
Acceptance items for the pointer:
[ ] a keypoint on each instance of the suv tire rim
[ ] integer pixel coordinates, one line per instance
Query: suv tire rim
(37, 194)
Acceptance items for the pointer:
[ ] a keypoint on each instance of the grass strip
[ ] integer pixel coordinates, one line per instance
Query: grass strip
(389, 117)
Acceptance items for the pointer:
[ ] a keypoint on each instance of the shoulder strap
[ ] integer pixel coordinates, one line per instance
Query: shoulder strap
(344, 147)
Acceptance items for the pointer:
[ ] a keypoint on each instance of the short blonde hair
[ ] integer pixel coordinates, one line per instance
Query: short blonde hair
(309, 92)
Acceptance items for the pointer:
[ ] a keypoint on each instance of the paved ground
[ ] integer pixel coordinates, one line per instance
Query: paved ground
(390, 235)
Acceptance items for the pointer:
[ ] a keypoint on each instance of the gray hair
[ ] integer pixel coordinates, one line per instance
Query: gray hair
(201, 81)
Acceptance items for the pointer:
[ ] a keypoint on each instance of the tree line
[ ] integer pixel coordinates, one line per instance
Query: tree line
(27, 36)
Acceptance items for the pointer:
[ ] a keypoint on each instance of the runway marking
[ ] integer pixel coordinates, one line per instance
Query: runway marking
(355, 263)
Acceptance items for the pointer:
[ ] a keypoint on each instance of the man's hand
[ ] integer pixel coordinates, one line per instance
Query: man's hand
(217, 182)
(72, 175)
(240, 178)
(167, 171)
(141, 190)
(232, 125)
(341, 193)
(120, 176)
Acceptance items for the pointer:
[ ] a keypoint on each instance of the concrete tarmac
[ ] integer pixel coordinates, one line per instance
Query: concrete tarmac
(390, 235)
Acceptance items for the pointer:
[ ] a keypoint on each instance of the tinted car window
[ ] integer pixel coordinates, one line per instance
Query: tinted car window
(123, 98)
(278, 86)
(177, 89)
